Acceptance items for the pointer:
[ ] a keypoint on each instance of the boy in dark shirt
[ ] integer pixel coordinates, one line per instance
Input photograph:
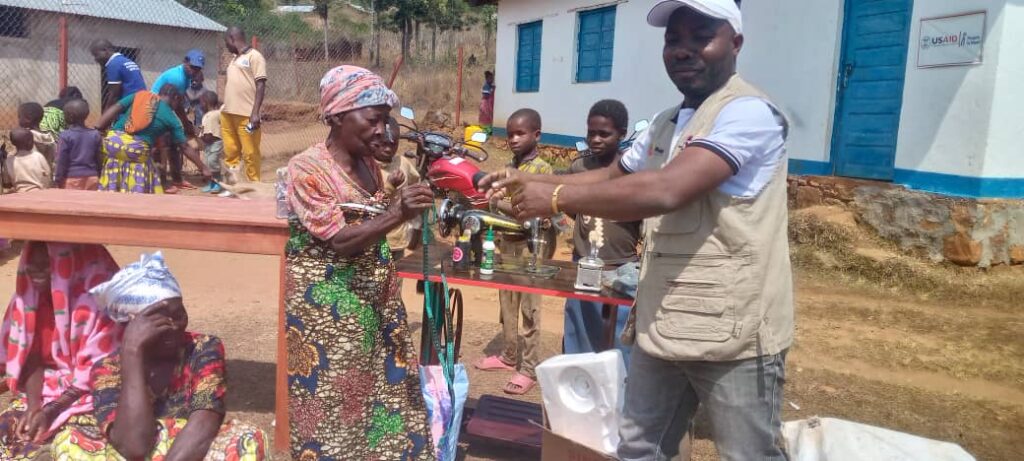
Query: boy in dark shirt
(30, 116)
(78, 154)
(584, 322)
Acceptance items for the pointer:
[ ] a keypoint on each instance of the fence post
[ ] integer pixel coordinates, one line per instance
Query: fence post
(255, 42)
(458, 93)
(62, 52)
(394, 72)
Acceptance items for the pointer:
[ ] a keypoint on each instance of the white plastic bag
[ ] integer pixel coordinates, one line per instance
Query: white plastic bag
(829, 439)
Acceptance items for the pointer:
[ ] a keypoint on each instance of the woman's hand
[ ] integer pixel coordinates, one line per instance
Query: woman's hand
(396, 179)
(34, 424)
(146, 327)
(412, 200)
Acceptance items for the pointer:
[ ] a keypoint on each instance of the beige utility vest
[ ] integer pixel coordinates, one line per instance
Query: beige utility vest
(715, 280)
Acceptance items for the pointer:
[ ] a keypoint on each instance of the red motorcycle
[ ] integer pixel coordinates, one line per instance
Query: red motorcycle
(442, 161)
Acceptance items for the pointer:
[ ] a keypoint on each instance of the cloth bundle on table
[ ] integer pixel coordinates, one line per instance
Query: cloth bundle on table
(76, 333)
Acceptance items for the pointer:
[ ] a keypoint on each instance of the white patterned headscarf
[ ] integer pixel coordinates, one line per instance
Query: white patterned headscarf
(136, 287)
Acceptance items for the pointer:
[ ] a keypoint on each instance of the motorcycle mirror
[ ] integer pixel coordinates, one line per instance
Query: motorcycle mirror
(478, 137)
(581, 146)
(407, 112)
(641, 126)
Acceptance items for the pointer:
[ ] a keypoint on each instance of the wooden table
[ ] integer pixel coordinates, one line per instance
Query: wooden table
(161, 221)
(225, 225)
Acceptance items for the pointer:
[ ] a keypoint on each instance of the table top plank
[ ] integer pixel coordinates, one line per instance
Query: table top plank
(145, 207)
(562, 285)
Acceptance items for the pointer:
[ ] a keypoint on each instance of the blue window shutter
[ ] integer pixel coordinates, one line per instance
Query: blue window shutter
(528, 57)
(595, 45)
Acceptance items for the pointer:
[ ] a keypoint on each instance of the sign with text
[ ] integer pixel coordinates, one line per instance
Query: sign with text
(951, 40)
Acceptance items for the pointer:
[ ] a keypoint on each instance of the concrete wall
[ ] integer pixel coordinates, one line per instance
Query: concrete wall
(1003, 157)
(638, 75)
(794, 59)
(29, 69)
(948, 111)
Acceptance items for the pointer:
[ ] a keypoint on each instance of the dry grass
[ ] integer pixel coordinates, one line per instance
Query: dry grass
(828, 249)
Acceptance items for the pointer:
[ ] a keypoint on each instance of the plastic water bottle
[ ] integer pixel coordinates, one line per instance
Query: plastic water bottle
(487, 266)
(281, 193)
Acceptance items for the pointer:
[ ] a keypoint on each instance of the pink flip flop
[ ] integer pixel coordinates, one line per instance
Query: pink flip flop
(493, 363)
(519, 384)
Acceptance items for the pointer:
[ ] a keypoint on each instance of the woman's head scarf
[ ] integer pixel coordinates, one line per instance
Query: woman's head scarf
(83, 334)
(347, 88)
(136, 287)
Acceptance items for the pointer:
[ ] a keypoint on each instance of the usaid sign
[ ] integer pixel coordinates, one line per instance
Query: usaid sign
(951, 40)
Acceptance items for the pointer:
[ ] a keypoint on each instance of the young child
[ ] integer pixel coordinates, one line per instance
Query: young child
(78, 150)
(27, 169)
(30, 115)
(584, 322)
(524, 128)
(486, 118)
(213, 150)
(399, 172)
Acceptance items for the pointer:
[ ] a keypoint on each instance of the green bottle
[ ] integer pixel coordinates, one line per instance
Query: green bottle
(487, 265)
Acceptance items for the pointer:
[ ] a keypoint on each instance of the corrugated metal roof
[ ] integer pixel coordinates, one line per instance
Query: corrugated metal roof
(159, 12)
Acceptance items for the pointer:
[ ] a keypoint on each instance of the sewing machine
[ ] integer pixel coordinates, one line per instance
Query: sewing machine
(538, 233)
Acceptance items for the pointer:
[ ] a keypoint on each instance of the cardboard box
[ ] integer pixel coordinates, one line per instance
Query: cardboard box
(557, 448)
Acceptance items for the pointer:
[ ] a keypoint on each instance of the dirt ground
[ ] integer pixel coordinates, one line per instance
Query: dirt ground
(936, 364)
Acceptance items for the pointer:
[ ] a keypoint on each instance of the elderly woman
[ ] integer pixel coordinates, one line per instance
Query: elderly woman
(143, 119)
(161, 397)
(53, 333)
(352, 373)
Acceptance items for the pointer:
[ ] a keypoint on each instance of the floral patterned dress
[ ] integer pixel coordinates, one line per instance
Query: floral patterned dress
(352, 371)
(198, 384)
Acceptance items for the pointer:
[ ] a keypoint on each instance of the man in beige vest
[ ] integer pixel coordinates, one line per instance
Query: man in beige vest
(714, 309)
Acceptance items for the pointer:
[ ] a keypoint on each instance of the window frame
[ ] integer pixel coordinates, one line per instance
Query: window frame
(578, 46)
(14, 13)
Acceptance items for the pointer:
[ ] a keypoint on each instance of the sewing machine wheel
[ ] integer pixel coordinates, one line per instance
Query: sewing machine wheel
(447, 217)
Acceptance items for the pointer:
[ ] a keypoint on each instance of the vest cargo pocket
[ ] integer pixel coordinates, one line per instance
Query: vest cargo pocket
(695, 303)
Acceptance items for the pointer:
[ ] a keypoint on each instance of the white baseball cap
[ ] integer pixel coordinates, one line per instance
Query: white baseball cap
(725, 10)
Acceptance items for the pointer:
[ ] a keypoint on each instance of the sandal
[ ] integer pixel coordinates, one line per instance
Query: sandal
(493, 363)
(519, 384)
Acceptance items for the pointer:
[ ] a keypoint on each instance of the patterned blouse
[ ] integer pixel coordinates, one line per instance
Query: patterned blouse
(317, 187)
(198, 383)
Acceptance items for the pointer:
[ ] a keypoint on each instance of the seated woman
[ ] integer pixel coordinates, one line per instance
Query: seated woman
(54, 333)
(161, 374)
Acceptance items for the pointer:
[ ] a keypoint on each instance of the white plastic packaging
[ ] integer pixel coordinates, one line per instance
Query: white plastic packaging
(583, 397)
(830, 439)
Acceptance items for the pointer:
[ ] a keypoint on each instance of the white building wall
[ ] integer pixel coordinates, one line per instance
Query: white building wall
(1004, 157)
(638, 75)
(948, 116)
(961, 120)
(793, 58)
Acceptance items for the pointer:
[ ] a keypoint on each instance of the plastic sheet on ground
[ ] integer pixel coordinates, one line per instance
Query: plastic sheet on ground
(829, 439)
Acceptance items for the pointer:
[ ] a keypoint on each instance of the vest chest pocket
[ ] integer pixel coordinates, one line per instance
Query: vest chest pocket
(686, 220)
(695, 303)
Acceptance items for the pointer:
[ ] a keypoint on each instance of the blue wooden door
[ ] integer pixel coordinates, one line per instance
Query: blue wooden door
(870, 88)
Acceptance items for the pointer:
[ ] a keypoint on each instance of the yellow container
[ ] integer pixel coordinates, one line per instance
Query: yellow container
(468, 134)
